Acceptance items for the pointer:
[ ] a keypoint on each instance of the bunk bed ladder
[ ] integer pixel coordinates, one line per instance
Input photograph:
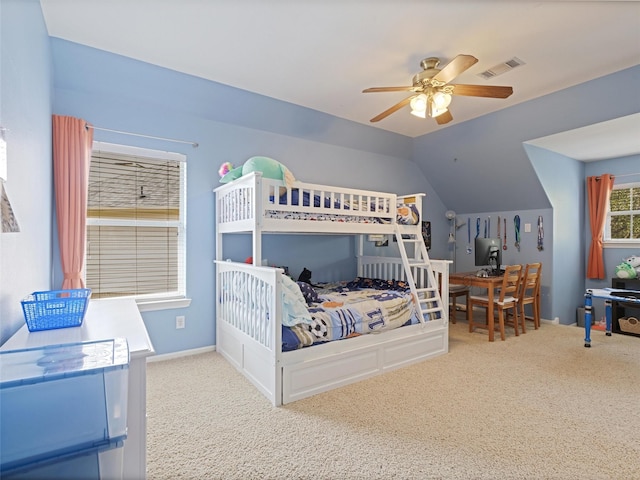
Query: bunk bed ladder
(419, 273)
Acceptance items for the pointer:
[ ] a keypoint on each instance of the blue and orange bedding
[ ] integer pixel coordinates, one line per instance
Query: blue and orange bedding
(356, 308)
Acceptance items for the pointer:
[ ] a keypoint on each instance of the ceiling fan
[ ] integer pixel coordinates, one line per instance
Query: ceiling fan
(432, 91)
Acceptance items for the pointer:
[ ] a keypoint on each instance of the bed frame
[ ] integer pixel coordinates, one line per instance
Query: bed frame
(248, 327)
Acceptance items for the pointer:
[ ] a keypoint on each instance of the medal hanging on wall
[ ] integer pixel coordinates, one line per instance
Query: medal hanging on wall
(504, 244)
(468, 235)
(540, 234)
(516, 227)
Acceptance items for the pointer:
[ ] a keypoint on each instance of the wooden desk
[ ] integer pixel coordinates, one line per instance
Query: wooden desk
(490, 283)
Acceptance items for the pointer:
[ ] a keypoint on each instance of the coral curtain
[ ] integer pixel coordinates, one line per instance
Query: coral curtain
(72, 144)
(598, 191)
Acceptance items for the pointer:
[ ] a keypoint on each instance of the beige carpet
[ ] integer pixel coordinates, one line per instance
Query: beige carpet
(538, 406)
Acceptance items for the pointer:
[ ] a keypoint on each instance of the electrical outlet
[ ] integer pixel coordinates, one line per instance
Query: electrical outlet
(180, 321)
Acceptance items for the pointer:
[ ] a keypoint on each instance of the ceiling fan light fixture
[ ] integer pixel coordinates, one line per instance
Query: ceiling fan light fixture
(434, 111)
(419, 105)
(441, 100)
(438, 103)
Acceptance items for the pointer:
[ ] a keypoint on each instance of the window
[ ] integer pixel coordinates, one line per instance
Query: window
(136, 232)
(623, 218)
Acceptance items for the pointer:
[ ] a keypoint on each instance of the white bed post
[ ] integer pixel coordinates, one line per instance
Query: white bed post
(276, 334)
(257, 230)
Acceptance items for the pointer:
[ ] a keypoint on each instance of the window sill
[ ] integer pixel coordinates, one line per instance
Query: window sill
(623, 244)
(162, 304)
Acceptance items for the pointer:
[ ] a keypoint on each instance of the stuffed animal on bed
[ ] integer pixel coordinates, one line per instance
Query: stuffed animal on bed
(269, 168)
(629, 268)
(305, 276)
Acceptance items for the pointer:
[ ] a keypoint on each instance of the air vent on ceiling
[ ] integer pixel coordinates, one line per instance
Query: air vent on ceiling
(501, 68)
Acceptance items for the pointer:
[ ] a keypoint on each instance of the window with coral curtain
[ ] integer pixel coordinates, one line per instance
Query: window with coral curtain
(72, 142)
(598, 191)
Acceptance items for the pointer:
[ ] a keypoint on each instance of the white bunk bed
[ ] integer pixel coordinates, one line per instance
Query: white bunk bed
(248, 296)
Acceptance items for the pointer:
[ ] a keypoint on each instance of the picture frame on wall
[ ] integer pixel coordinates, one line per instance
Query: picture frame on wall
(382, 243)
(426, 234)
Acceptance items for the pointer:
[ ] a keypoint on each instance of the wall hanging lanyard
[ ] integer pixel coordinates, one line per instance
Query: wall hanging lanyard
(540, 234)
(516, 226)
(469, 235)
(477, 227)
(504, 244)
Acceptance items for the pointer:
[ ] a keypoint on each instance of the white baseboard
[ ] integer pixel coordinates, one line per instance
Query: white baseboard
(183, 353)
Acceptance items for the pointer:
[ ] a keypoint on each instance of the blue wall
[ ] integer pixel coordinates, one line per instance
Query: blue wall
(476, 165)
(563, 180)
(528, 252)
(612, 256)
(25, 111)
(123, 94)
(484, 165)
(480, 167)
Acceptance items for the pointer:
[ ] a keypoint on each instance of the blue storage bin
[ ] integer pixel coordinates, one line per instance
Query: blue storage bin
(55, 308)
(62, 401)
(102, 465)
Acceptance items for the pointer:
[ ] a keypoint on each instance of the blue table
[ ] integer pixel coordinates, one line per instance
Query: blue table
(609, 295)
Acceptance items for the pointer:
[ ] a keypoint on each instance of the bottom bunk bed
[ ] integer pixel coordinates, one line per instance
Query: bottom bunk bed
(255, 311)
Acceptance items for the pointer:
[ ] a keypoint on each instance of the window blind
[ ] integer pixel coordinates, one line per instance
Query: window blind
(135, 224)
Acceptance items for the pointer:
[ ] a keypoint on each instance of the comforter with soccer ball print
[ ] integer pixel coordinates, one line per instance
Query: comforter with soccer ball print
(344, 314)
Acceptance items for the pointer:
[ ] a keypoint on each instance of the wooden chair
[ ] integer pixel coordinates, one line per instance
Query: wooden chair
(507, 299)
(530, 293)
(456, 291)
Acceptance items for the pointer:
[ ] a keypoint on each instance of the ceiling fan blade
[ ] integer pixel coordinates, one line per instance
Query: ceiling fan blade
(454, 68)
(391, 110)
(491, 91)
(387, 89)
(443, 118)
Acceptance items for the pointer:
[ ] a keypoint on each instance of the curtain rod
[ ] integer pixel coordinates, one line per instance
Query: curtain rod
(193, 144)
(620, 176)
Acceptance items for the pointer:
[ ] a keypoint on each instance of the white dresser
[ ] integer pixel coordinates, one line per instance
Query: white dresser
(108, 319)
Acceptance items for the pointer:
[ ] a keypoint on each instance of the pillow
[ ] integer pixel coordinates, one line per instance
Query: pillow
(407, 214)
(231, 175)
(269, 168)
(294, 306)
(309, 294)
(296, 337)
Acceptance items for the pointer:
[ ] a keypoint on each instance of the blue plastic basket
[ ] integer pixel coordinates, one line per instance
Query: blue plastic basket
(55, 309)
